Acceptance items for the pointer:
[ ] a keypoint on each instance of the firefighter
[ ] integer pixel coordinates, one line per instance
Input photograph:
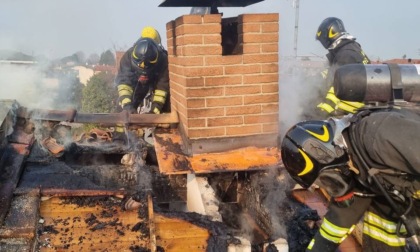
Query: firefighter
(143, 79)
(369, 164)
(143, 70)
(342, 49)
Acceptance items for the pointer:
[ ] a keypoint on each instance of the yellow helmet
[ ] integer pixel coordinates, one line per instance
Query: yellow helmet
(152, 33)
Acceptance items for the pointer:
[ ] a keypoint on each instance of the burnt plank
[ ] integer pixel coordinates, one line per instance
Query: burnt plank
(11, 166)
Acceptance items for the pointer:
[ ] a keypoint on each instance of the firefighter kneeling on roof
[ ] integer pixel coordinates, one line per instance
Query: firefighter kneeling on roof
(143, 77)
(369, 164)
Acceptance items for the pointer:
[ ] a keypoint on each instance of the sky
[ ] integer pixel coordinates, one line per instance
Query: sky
(385, 29)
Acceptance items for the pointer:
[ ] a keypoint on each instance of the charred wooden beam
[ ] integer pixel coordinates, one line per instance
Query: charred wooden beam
(17, 232)
(62, 192)
(103, 118)
(11, 166)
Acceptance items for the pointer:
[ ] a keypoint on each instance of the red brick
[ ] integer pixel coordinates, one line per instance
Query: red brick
(251, 48)
(169, 27)
(269, 48)
(196, 123)
(223, 101)
(212, 39)
(190, 40)
(206, 132)
(255, 119)
(212, 18)
(267, 17)
(243, 110)
(249, 27)
(243, 130)
(181, 80)
(178, 50)
(222, 60)
(243, 69)
(196, 103)
(194, 82)
(243, 90)
(195, 50)
(198, 29)
(223, 80)
(261, 99)
(175, 87)
(270, 88)
(270, 128)
(270, 108)
(261, 58)
(176, 69)
(269, 27)
(264, 78)
(260, 38)
(188, 19)
(203, 71)
(204, 92)
(191, 61)
(270, 68)
(224, 121)
(205, 113)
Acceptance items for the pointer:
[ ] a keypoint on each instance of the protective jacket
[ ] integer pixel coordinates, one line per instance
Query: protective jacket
(132, 92)
(388, 141)
(348, 51)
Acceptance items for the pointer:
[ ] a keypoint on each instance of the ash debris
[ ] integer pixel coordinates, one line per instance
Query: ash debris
(265, 211)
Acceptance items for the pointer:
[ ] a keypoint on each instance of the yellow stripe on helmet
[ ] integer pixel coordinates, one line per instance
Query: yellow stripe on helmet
(308, 164)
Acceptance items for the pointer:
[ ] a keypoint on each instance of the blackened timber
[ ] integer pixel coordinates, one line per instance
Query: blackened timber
(11, 164)
(61, 192)
(105, 118)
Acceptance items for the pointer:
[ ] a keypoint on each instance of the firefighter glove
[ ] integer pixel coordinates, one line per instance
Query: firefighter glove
(159, 99)
(129, 107)
(156, 108)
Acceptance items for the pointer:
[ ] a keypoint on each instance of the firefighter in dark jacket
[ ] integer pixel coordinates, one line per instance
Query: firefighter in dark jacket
(342, 49)
(369, 164)
(143, 71)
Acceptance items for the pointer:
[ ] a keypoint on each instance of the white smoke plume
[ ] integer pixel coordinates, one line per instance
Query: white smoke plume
(30, 85)
(301, 88)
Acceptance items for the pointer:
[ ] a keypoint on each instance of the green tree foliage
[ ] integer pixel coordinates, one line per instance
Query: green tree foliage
(107, 58)
(100, 95)
(77, 58)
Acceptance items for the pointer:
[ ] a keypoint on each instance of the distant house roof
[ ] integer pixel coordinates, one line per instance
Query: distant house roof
(105, 68)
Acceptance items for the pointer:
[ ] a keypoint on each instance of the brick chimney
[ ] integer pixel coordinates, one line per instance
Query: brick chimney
(224, 77)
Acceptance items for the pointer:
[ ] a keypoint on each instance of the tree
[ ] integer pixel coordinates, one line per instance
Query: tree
(107, 58)
(100, 95)
(93, 59)
(76, 58)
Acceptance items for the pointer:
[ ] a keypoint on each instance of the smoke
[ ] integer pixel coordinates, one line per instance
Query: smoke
(301, 88)
(33, 85)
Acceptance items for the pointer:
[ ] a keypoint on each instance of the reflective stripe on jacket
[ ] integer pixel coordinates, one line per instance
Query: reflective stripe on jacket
(332, 104)
(382, 230)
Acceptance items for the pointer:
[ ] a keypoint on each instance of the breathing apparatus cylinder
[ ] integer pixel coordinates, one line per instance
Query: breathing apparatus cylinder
(378, 82)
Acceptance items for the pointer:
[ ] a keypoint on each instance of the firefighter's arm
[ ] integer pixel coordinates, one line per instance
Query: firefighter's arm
(337, 224)
(123, 81)
(162, 89)
(334, 106)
